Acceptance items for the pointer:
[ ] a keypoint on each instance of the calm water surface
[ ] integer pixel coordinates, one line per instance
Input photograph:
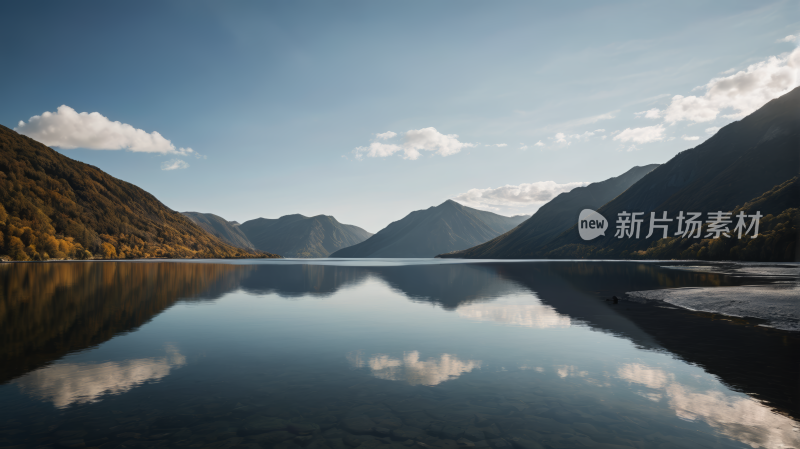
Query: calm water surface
(381, 354)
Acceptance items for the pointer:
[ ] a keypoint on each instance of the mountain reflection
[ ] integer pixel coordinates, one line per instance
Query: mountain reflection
(739, 355)
(48, 310)
(64, 384)
(296, 281)
(448, 285)
(742, 419)
(412, 370)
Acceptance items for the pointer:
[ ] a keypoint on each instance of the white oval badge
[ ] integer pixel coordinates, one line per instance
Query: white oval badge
(591, 224)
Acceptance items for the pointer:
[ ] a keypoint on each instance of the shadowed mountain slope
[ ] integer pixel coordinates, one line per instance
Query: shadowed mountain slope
(224, 230)
(553, 218)
(52, 206)
(778, 233)
(300, 236)
(740, 163)
(426, 233)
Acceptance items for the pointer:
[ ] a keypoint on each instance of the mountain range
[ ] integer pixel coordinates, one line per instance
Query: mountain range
(750, 165)
(227, 231)
(426, 233)
(52, 206)
(555, 217)
(300, 236)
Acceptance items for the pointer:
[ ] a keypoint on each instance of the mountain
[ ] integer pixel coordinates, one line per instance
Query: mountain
(52, 206)
(227, 231)
(740, 163)
(300, 236)
(778, 234)
(555, 217)
(426, 233)
(753, 160)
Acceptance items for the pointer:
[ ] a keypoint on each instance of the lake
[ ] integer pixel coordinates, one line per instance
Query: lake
(368, 354)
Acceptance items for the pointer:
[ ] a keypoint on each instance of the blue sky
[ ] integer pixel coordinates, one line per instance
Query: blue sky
(280, 102)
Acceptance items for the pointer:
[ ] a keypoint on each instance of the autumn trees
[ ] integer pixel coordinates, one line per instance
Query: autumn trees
(53, 207)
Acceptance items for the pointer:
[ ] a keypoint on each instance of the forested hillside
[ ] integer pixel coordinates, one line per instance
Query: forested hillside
(53, 207)
(777, 238)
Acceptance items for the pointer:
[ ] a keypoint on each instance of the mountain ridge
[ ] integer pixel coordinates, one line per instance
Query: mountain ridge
(740, 163)
(54, 207)
(422, 233)
(299, 236)
(224, 230)
(553, 218)
(751, 161)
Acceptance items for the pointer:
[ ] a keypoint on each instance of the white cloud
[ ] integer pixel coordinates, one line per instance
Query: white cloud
(586, 135)
(174, 164)
(592, 119)
(501, 145)
(690, 138)
(740, 93)
(712, 130)
(571, 124)
(650, 113)
(645, 134)
(385, 136)
(523, 147)
(566, 139)
(68, 129)
(538, 144)
(415, 140)
(790, 38)
(515, 197)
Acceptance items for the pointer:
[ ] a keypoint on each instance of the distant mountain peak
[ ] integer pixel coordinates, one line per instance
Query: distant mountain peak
(554, 217)
(227, 231)
(296, 235)
(425, 233)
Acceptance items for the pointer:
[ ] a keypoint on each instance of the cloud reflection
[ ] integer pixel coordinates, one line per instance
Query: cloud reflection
(743, 419)
(642, 374)
(64, 384)
(413, 370)
(570, 371)
(537, 315)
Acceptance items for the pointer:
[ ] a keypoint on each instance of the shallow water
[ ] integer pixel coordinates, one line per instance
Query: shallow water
(388, 353)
